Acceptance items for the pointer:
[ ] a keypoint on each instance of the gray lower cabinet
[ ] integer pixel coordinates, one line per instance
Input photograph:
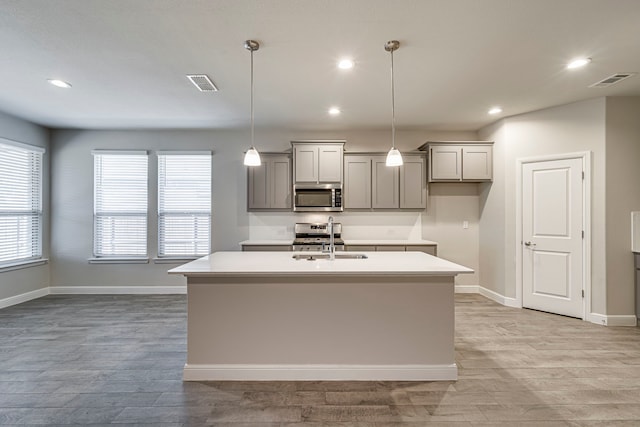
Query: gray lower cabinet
(267, 248)
(359, 248)
(269, 185)
(370, 184)
(429, 249)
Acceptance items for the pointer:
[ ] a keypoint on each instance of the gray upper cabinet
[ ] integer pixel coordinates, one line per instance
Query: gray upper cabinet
(413, 182)
(317, 162)
(357, 181)
(269, 185)
(385, 187)
(370, 184)
(451, 162)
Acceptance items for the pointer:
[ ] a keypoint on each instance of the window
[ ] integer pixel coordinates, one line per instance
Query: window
(120, 204)
(20, 202)
(184, 204)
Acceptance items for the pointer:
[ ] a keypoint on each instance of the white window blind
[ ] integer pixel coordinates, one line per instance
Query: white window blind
(184, 204)
(120, 204)
(20, 202)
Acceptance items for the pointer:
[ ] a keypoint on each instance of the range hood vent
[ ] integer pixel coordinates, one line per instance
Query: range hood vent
(202, 82)
(613, 79)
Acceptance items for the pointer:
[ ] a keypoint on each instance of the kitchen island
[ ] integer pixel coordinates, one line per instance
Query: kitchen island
(270, 316)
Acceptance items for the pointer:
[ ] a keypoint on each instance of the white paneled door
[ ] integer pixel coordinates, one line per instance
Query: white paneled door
(552, 236)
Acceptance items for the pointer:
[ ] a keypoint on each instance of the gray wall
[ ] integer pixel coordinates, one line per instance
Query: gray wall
(623, 197)
(576, 127)
(29, 279)
(72, 197)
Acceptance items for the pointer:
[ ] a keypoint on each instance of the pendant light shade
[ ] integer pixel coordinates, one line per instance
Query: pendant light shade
(394, 158)
(252, 157)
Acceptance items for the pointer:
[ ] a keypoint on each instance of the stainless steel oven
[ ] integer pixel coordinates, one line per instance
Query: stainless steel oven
(317, 198)
(316, 237)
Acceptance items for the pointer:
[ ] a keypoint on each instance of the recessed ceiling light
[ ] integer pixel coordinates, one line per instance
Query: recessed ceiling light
(495, 110)
(334, 111)
(59, 83)
(345, 64)
(578, 62)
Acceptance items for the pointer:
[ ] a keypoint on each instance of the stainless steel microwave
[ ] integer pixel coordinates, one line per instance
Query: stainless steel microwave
(317, 198)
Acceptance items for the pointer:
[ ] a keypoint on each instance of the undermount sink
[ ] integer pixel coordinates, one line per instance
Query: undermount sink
(310, 257)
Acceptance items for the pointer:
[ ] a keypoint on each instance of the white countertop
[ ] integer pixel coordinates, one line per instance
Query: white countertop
(353, 242)
(282, 263)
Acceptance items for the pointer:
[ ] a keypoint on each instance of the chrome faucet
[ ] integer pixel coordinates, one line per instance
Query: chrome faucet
(332, 243)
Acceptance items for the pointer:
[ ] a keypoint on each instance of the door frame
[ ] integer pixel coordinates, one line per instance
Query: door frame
(585, 156)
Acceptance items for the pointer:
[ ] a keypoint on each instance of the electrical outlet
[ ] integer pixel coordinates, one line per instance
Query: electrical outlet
(465, 224)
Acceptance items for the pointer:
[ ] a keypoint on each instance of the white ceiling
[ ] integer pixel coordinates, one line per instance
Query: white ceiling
(127, 60)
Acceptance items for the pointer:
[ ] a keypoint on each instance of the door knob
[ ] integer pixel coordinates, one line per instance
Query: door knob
(529, 244)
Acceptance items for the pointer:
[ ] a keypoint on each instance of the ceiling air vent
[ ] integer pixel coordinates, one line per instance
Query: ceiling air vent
(613, 79)
(202, 82)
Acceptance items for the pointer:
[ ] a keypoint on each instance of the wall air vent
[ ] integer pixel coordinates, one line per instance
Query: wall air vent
(613, 79)
(202, 82)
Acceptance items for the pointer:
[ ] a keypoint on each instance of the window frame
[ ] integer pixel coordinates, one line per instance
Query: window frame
(36, 156)
(124, 258)
(162, 256)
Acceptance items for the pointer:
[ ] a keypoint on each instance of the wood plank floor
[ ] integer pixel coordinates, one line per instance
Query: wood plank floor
(104, 360)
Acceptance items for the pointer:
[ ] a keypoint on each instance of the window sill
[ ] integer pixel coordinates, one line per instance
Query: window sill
(174, 260)
(116, 260)
(19, 265)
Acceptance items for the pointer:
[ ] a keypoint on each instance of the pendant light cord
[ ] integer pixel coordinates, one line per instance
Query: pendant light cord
(393, 108)
(252, 98)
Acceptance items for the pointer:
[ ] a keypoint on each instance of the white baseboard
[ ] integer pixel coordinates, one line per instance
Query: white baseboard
(612, 320)
(202, 372)
(92, 290)
(500, 299)
(117, 290)
(467, 289)
(27, 296)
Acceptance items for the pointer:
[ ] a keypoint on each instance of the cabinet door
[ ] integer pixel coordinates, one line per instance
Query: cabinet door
(330, 163)
(385, 188)
(258, 186)
(280, 176)
(445, 163)
(477, 163)
(306, 163)
(269, 185)
(413, 183)
(357, 182)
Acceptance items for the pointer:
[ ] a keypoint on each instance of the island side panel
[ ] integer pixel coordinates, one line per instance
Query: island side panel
(292, 322)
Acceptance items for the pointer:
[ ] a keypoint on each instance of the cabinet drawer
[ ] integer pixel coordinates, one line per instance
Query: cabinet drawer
(390, 248)
(360, 248)
(267, 248)
(428, 249)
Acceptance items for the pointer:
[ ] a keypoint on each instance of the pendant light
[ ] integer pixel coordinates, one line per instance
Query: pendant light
(394, 158)
(252, 157)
